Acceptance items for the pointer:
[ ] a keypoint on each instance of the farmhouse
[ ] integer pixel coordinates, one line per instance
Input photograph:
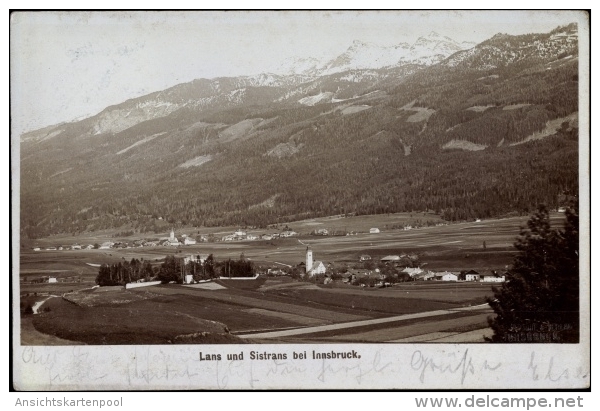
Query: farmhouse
(374, 231)
(412, 271)
(449, 277)
(492, 278)
(472, 275)
(355, 273)
(197, 258)
(189, 241)
(425, 276)
(390, 258)
(106, 245)
(365, 257)
(446, 276)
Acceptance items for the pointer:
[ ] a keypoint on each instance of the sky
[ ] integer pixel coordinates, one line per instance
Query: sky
(69, 65)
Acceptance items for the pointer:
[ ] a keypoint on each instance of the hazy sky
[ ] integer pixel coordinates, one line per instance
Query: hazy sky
(66, 65)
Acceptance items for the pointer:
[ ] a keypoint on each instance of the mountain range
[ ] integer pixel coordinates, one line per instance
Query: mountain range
(462, 130)
(427, 50)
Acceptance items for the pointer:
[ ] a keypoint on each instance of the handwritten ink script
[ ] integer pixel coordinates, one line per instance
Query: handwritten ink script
(295, 367)
(547, 371)
(452, 363)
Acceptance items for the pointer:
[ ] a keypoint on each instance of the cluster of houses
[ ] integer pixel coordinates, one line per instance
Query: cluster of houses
(66, 247)
(241, 235)
(378, 278)
(170, 241)
(354, 275)
(50, 279)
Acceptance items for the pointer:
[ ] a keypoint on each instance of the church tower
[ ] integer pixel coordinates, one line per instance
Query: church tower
(172, 238)
(309, 259)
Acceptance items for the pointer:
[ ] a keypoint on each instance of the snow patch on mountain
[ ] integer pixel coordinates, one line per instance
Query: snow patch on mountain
(480, 109)
(359, 76)
(515, 106)
(142, 141)
(422, 113)
(463, 145)
(282, 150)
(427, 50)
(116, 120)
(323, 97)
(354, 109)
(241, 129)
(503, 49)
(552, 127)
(196, 161)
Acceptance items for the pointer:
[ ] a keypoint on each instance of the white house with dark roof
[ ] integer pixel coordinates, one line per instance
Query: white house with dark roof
(189, 241)
(472, 275)
(106, 245)
(492, 278)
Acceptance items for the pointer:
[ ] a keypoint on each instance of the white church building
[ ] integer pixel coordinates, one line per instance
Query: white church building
(173, 241)
(313, 267)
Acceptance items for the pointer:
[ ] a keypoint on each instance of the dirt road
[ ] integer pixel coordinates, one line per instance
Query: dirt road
(394, 333)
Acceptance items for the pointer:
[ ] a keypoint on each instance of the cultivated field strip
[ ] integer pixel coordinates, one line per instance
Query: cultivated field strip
(235, 297)
(416, 332)
(286, 316)
(357, 324)
(445, 293)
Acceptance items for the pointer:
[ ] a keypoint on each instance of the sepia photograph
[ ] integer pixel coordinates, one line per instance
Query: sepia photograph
(300, 199)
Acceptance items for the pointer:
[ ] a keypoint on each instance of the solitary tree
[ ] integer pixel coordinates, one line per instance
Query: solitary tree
(539, 302)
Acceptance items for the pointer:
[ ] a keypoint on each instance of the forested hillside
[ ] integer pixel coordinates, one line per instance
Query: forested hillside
(487, 131)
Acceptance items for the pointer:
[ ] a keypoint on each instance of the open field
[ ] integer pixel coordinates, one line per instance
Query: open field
(166, 313)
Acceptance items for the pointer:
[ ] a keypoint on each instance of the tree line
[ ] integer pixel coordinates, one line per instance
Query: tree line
(173, 269)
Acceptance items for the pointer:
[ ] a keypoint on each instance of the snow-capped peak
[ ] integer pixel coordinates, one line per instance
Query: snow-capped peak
(364, 55)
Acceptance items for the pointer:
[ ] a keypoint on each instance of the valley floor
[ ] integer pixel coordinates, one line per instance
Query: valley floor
(286, 312)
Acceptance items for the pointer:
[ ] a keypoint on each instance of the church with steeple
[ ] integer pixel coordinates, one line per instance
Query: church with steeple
(313, 267)
(173, 241)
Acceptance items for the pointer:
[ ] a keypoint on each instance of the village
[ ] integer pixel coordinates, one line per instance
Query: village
(310, 277)
(389, 270)
(364, 271)
(171, 241)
